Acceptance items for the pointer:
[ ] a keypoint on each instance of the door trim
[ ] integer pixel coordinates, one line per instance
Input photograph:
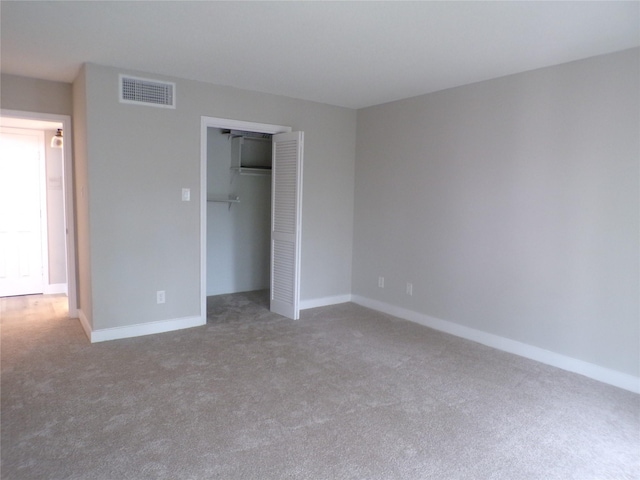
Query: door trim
(69, 216)
(216, 122)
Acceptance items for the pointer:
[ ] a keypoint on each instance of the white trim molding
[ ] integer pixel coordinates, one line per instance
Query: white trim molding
(596, 372)
(138, 330)
(84, 322)
(324, 302)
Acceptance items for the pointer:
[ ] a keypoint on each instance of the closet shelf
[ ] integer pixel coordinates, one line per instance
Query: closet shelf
(222, 199)
(252, 170)
(262, 137)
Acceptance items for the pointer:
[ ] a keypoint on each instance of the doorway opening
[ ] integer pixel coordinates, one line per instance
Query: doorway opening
(238, 211)
(242, 249)
(56, 236)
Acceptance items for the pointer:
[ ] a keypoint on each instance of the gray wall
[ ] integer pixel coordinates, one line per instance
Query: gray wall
(512, 207)
(143, 238)
(35, 95)
(238, 238)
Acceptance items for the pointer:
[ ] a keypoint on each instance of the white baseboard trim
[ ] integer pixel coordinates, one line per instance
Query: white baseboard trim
(596, 372)
(86, 326)
(55, 288)
(138, 330)
(324, 301)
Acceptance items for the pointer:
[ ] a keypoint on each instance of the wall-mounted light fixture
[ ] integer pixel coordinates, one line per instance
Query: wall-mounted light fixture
(56, 140)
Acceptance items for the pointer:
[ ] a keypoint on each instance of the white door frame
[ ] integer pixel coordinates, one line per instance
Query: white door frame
(69, 217)
(226, 123)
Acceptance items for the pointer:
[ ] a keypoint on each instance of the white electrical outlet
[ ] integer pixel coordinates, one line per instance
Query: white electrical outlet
(409, 288)
(160, 296)
(381, 282)
(186, 194)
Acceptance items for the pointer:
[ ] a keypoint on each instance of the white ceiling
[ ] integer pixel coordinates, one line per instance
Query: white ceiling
(353, 54)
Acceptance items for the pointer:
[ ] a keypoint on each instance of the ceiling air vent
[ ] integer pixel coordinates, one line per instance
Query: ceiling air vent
(143, 91)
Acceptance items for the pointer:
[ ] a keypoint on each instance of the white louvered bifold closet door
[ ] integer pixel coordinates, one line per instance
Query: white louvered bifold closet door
(286, 220)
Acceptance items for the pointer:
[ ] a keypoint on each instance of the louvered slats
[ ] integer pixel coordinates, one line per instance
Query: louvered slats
(284, 275)
(286, 222)
(142, 91)
(284, 217)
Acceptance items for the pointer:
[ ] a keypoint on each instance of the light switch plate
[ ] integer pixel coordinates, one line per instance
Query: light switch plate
(186, 194)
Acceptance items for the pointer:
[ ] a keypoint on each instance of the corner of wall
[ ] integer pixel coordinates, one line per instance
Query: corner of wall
(81, 176)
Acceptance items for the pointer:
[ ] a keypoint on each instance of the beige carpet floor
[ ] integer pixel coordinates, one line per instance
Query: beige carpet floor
(343, 393)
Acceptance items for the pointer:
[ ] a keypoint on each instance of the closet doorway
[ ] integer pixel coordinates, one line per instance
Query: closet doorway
(251, 181)
(238, 211)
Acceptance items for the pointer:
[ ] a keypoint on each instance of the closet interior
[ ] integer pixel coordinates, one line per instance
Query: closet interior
(238, 211)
